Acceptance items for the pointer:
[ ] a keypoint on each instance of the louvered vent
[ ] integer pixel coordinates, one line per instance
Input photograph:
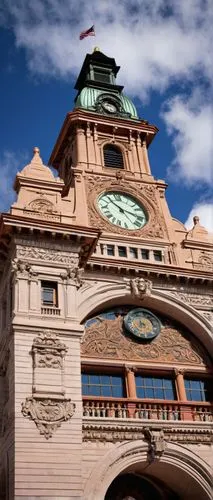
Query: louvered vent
(113, 157)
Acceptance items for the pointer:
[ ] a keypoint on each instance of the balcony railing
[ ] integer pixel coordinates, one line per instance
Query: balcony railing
(147, 410)
(50, 311)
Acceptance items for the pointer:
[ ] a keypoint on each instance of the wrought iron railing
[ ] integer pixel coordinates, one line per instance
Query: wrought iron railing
(147, 409)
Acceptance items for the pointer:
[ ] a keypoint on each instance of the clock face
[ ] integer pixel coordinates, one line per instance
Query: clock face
(109, 106)
(142, 323)
(122, 210)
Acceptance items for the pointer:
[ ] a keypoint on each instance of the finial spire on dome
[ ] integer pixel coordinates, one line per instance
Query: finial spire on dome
(96, 49)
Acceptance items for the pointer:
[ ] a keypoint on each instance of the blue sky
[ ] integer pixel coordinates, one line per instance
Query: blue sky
(165, 54)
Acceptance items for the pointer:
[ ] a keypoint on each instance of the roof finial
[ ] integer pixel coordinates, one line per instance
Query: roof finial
(36, 150)
(196, 220)
(96, 49)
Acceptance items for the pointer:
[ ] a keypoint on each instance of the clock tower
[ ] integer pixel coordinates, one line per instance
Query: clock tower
(106, 318)
(102, 156)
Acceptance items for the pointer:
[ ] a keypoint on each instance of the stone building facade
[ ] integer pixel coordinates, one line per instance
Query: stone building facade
(106, 314)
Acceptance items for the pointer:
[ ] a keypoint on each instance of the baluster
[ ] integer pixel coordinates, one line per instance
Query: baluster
(125, 412)
(118, 411)
(169, 410)
(93, 409)
(103, 410)
(160, 413)
(176, 413)
(112, 410)
(108, 410)
(98, 412)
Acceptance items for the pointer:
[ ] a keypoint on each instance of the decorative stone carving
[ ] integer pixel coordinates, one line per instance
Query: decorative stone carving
(48, 255)
(41, 205)
(127, 432)
(105, 339)
(46, 409)
(42, 208)
(155, 228)
(193, 299)
(208, 315)
(73, 276)
(48, 414)
(23, 269)
(48, 351)
(140, 287)
(156, 440)
(205, 261)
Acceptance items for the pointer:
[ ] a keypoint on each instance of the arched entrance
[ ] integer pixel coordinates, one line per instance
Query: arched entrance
(135, 487)
(178, 474)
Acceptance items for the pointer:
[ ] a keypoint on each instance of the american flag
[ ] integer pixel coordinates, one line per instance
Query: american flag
(89, 32)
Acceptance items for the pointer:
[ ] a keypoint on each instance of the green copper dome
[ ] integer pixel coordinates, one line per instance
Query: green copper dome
(88, 97)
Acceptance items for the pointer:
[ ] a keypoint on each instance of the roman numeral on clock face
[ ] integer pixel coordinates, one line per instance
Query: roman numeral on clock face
(122, 210)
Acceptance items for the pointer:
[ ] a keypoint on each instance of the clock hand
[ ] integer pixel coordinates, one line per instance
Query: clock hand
(123, 209)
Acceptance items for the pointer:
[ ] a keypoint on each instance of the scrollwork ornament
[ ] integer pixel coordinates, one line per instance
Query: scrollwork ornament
(48, 351)
(48, 255)
(48, 414)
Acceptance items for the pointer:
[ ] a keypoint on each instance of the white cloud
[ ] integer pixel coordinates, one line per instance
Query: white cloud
(9, 165)
(191, 124)
(155, 44)
(204, 212)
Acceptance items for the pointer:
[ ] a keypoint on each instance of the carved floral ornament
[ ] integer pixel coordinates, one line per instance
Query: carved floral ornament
(48, 414)
(48, 351)
(106, 338)
(48, 411)
(155, 226)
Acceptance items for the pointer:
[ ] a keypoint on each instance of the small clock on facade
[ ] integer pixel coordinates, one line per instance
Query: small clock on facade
(122, 210)
(142, 324)
(109, 106)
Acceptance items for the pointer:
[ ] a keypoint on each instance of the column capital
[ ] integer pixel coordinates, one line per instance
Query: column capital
(179, 371)
(130, 368)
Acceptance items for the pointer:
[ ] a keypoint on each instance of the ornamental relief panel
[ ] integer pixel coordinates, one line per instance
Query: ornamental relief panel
(47, 406)
(193, 299)
(205, 261)
(42, 208)
(108, 339)
(155, 227)
(48, 255)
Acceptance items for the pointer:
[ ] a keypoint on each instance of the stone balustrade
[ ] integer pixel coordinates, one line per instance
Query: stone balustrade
(147, 410)
(50, 311)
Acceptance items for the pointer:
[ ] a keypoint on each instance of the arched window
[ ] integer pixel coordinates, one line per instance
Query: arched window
(113, 156)
(110, 389)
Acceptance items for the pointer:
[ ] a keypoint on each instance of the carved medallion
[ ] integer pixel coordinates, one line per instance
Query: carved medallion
(48, 414)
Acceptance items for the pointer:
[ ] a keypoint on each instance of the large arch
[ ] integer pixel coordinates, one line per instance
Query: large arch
(179, 468)
(99, 296)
